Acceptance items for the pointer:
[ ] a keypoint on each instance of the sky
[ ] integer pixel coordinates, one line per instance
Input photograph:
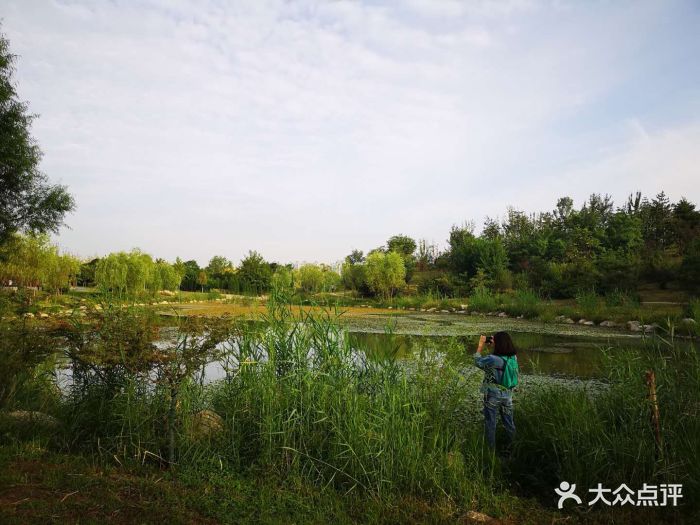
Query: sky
(306, 129)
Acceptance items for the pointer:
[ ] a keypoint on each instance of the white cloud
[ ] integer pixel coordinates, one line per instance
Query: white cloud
(303, 129)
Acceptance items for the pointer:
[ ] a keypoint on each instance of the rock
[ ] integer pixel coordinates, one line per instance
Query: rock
(559, 318)
(463, 306)
(28, 315)
(461, 312)
(33, 417)
(589, 323)
(390, 307)
(502, 314)
(478, 517)
(520, 316)
(608, 324)
(83, 307)
(568, 320)
(431, 309)
(634, 326)
(582, 321)
(688, 320)
(206, 424)
(43, 315)
(444, 311)
(649, 328)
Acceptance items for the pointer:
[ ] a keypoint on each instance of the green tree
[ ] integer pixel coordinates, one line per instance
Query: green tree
(202, 279)
(385, 273)
(406, 247)
(28, 202)
(310, 278)
(255, 273)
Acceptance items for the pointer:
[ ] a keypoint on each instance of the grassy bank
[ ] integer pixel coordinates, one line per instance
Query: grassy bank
(301, 415)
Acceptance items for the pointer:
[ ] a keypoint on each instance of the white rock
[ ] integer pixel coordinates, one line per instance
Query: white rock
(634, 326)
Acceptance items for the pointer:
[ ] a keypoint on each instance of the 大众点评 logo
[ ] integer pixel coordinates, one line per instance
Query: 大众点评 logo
(661, 495)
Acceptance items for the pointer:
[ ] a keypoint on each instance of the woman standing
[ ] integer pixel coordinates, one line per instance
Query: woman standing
(500, 377)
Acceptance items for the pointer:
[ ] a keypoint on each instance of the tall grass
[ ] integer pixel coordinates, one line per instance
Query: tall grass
(482, 300)
(297, 398)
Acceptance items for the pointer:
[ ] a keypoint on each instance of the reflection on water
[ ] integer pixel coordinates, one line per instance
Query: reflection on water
(547, 354)
(560, 355)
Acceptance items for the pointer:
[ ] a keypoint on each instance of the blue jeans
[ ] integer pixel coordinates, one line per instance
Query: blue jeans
(498, 401)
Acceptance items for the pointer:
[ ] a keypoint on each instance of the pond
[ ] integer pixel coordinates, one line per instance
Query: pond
(558, 355)
(555, 355)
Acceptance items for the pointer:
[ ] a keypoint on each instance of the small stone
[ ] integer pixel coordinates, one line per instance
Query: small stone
(589, 323)
(568, 320)
(43, 315)
(634, 326)
(28, 315)
(431, 309)
(608, 324)
(582, 321)
(502, 314)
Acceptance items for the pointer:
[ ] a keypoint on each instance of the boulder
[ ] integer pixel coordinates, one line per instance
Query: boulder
(568, 320)
(589, 323)
(608, 324)
(582, 321)
(206, 424)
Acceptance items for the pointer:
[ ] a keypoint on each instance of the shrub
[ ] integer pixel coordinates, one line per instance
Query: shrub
(482, 300)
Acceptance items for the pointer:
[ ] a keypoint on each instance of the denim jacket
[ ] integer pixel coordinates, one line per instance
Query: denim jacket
(492, 365)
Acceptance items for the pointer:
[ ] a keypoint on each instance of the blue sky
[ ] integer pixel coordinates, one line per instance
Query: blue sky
(306, 129)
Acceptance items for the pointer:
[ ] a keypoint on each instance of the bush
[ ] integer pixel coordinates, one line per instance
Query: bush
(526, 303)
(588, 304)
(482, 300)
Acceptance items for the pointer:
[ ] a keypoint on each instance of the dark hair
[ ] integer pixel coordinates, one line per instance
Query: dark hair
(503, 344)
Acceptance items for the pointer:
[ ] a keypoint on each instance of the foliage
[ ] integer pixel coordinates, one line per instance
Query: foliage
(129, 274)
(28, 202)
(385, 273)
(31, 260)
(255, 273)
(314, 278)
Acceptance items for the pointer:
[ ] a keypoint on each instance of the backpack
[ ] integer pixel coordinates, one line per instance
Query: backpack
(509, 377)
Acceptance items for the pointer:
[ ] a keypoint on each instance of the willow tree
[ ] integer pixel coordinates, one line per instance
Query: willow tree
(385, 273)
